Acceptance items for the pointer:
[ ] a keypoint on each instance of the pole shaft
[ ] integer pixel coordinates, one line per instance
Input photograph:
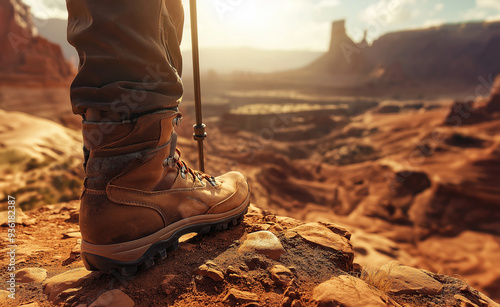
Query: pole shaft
(201, 156)
(199, 128)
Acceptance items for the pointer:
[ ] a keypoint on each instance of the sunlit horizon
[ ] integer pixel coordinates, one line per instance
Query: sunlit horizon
(305, 24)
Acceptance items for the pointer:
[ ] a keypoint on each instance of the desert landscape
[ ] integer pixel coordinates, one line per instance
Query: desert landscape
(374, 168)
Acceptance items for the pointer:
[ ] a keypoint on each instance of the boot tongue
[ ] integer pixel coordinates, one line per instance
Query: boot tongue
(173, 157)
(173, 145)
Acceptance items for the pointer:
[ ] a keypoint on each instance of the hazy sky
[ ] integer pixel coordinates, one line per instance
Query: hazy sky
(305, 24)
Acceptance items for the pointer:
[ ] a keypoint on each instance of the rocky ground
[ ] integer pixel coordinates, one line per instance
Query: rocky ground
(422, 174)
(267, 260)
(409, 186)
(410, 183)
(40, 161)
(411, 171)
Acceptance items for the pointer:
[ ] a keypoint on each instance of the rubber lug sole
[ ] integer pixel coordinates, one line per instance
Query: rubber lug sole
(157, 252)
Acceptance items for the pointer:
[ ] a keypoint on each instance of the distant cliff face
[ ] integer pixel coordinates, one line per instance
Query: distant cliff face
(459, 51)
(25, 57)
(494, 99)
(452, 52)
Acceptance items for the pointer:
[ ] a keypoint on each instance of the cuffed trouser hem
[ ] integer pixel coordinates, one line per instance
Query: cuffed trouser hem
(130, 60)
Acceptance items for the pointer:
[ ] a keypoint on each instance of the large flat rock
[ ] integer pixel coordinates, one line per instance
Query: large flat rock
(408, 280)
(325, 238)
(113, 298)
(69, 279)
(28, 275)
(347, 291)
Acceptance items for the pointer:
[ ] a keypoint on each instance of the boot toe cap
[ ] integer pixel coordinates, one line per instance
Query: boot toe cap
(238, 185)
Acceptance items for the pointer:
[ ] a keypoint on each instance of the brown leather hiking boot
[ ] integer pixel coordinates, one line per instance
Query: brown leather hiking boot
(139, 197)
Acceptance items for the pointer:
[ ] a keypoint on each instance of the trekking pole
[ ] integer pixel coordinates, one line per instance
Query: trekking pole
(199, 129)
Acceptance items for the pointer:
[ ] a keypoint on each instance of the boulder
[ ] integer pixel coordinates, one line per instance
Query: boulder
(323, 237)
(168, 285)
(374, 250)
(281, 275)
(113, 298)
(262, 242)
(408, 280)
(69, 279)
(340, 230)
(347, 291)
(21, 218)
(210, 270)
(241, 297)
(28, 275)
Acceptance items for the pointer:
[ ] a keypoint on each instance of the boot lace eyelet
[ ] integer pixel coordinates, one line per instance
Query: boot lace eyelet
(200, 178)
(212, 181)
(169, 162)
(177, 121)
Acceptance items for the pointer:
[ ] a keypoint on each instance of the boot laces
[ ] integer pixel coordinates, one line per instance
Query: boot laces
(184, 168)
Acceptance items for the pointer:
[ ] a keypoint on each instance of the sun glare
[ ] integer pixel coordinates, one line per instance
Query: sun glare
(250, 16)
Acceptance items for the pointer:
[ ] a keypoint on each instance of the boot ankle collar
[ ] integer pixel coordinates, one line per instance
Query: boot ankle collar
(147, 128)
